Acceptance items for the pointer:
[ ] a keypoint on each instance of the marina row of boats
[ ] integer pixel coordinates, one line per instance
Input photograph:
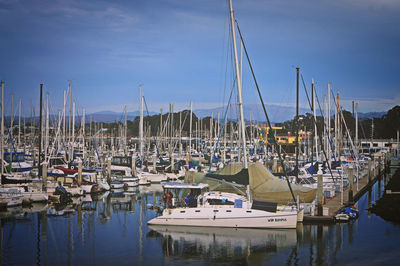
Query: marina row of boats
(247, 182)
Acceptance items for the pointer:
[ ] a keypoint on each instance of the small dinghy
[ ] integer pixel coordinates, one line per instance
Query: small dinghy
(117, 185)
(346, 214)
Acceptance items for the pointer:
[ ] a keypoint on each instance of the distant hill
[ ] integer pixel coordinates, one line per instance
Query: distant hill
(276, 113)
(110, 116)
(371, 115)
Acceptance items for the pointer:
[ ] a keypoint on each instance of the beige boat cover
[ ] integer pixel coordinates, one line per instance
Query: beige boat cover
(230, 169)
(264, 186)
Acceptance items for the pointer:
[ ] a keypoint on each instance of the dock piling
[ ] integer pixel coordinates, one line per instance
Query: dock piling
(109, 170)
(351, 181)
(155, 164)
(319, 195)
(275, 165)
(44, 176)
(369, 171)
(79, 173)
(379, 167)
(133, 166)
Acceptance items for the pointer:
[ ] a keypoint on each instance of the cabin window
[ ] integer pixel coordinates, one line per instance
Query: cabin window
(228, 211)
(215, 210)
(197, 210)
(121, 161)
(118, 172)
(115, 160)
(182, 211)
(248, 211)
(219, 202)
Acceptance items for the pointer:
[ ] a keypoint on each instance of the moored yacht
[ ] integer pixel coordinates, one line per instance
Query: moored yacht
(201, 207)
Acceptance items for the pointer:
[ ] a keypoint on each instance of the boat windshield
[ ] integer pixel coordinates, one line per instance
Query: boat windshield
(177, 195)
(123, 161)
(57, 161)
(16, 157)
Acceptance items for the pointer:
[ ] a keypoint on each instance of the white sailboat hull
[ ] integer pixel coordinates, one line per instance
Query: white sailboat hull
(10, 200)
(153, 178)
(36, 196)
(226, 217)
(129, 181)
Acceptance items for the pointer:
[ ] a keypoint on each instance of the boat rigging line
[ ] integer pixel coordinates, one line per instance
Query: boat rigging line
(265, 112)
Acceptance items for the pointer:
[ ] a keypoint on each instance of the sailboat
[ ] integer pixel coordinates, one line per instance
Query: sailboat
(146, 177)
(218, 209)
(201, 207)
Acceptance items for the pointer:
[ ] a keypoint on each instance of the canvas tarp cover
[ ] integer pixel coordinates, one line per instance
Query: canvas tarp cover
(264, 186)
(234, 173)
(230, 169)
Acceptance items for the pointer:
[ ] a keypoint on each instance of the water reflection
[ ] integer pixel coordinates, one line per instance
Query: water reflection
(112, 228)
(221, 244)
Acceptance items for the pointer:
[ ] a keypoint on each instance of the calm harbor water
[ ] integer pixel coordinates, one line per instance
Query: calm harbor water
(112, 229)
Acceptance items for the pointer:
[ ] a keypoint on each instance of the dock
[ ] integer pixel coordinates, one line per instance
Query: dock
(365, 182)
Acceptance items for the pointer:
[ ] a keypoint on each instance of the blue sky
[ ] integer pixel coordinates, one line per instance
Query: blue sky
(178, 50)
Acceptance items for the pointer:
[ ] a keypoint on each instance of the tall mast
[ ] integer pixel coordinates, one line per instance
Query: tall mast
(352, 103)
(313, 122)
(47, 126)
(141, 124)
(19, 123)
(211, 129)
(83, 133)
(31, 123)
(339, 127)
(172, 128)
(73, 131)
(161, 129)
(2, 128)
(239, 85)
(180, 132)
(190, 130)
(336, 132)
(40, 129)
(297, 124)
(70, 110)
(325, 127)
(65, 102)
(329, 150)
(12, 122)
(356, 136)
(12, 112)
(126, 132)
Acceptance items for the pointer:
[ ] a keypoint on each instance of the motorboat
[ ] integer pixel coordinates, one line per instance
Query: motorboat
(130, 181)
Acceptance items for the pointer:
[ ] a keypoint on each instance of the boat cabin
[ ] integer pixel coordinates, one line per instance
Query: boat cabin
(121, 161)
(57, 161)
(182, 194)
(14, 157)
(15, 162)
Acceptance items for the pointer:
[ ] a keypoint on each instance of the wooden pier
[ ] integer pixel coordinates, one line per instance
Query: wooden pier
(365, 182)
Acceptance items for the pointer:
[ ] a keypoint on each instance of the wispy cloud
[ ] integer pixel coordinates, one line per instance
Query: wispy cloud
(106, 15)
(372, 104)
(154, 106)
